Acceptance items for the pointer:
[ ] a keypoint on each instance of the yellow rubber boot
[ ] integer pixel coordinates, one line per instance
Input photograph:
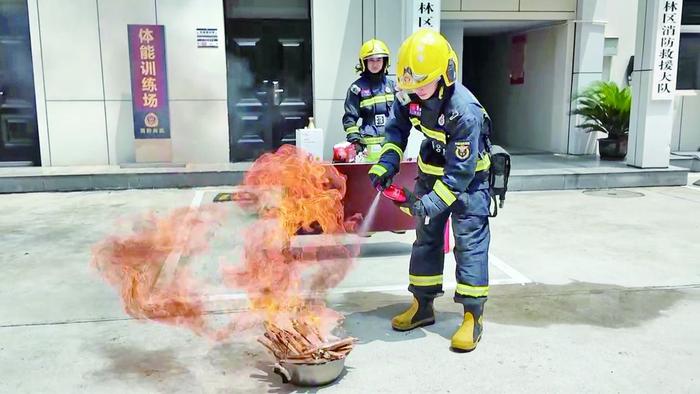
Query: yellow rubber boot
(468, 334)
(420, 314)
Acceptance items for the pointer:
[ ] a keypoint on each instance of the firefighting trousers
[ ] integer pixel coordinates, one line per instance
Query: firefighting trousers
(470, 226)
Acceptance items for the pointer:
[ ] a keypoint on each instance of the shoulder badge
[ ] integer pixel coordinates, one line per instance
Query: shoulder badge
(463, 150)
(355, 89)
(414, 109)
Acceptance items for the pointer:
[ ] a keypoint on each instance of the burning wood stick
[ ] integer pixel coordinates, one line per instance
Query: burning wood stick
(303, 344)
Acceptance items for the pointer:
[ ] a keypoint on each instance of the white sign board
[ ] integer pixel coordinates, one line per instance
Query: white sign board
(426, 14)
(666, 56)
(207, 38)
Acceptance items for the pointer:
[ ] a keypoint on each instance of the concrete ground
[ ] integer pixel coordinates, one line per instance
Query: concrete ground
(591, 292)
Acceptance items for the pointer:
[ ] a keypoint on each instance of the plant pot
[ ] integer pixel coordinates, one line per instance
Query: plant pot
(612, 148)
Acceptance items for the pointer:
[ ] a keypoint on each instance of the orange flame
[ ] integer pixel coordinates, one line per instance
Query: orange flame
(294, 193)
(308, 198)
(134, 263)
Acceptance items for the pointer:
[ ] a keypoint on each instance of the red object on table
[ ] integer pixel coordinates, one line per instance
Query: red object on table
(344, 153)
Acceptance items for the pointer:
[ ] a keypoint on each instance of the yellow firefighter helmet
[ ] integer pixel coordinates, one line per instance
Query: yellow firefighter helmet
(371, 49)
(423, 57)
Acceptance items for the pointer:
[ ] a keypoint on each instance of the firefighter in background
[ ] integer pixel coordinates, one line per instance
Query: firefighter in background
(369, 100)
(453, 179)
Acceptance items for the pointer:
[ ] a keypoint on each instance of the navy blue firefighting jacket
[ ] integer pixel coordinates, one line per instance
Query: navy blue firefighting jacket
(369, 98)
(455, 150)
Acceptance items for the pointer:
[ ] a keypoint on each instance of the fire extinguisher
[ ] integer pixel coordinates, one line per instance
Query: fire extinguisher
(395, 193)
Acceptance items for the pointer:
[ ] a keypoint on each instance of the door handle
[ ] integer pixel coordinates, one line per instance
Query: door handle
(276, 92)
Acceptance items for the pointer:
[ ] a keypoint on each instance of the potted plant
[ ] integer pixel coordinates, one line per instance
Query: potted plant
(606, 108)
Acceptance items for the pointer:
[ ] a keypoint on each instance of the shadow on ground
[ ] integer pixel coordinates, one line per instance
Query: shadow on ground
(532, 305)
(594, 304)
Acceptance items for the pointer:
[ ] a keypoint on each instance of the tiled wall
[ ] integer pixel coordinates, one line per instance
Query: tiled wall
(84, 93)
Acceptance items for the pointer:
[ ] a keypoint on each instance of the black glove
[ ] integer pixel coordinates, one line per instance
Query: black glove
(381, 182)
(359, 147)
(412, 205)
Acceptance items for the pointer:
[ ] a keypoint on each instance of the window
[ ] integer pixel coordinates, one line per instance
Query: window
(691, 12)
(689, 62)
(689, 49)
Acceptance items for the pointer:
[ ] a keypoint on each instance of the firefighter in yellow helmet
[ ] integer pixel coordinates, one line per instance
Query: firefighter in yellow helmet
(453, 180)
(369, 100)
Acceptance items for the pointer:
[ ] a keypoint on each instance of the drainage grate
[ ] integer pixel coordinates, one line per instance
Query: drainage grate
(613, 193)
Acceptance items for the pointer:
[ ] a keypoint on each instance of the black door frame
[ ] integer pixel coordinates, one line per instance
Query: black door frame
(18, 110)
(266, 93)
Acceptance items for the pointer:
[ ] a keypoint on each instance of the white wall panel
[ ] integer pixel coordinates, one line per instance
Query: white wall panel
(193, 73)
(120, 131)
(337, 37)
(71, 50)
(200, 131)
(115, 15)
(77, 133)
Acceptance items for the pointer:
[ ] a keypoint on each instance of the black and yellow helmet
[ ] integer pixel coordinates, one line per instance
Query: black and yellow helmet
(373, 49)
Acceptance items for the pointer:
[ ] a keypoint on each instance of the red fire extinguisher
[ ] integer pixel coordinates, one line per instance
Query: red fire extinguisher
(395, 194)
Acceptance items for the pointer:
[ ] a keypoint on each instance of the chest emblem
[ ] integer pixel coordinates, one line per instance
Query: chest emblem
(414, 109)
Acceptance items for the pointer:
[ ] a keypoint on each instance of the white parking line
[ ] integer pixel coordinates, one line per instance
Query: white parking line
(514, 274)
(173, 259)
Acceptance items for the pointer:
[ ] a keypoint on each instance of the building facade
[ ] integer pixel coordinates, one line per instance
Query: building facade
(274, 63)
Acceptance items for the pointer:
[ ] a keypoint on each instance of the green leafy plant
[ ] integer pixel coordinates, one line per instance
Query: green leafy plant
(605, 108)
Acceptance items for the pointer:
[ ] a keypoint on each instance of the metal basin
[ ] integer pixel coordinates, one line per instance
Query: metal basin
(310, 374)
